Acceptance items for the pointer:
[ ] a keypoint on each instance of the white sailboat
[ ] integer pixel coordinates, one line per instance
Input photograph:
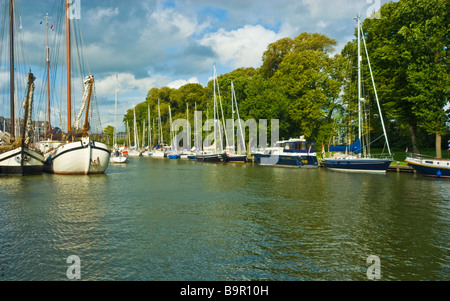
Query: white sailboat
(135, 151)
(233, 155)
(214, 153)
(85, 156)
(116, 155)
(159, 152)
(17, 157)
(354, 162)
(148, 151)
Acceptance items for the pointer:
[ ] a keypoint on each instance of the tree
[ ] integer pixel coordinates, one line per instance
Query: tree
(411, 65)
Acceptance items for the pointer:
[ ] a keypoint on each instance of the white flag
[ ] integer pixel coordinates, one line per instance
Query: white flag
(74, 9)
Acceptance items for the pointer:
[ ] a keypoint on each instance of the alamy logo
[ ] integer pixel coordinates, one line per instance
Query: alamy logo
(373, 12)
(74, 9)
(374, 270)
(74, 271)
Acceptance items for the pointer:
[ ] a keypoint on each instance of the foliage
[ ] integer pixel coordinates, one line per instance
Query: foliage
(310, 91)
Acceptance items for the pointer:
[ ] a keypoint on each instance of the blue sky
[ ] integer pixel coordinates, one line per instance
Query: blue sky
(156, 43)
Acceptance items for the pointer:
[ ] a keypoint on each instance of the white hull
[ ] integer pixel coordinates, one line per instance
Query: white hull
(118, 160)
(81, 157)
(158, 154)
(134, 153)
(18, 162)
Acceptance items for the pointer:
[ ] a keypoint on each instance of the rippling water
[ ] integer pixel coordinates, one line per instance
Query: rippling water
(157, 219)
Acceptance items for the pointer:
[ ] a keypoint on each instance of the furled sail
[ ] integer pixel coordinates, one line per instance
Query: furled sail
(87, 91)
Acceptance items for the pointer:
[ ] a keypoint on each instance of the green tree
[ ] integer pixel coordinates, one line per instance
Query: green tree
(411, 64)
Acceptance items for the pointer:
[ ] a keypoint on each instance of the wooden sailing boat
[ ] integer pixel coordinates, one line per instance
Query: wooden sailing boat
(356, 162)
(17, 157)
(85, 156)
(116, 154)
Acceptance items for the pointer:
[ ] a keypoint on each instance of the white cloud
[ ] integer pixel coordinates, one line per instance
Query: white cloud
(181, 82)
(242, 47)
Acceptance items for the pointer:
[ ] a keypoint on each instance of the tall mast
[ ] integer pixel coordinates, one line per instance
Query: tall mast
(149, 130)
(115, 113)
(359, 80)
(11, 71)
(69, 86)
(48, 75)
(215, 121)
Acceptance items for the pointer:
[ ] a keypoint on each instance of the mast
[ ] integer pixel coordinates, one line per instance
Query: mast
(376, 95)
(149, 129)
(69, 86)
(135, 129)
(188, 132)
(359, 79)
(215, 121)
(11, 70)
(48, 73)
(239, 118)
(115, 113)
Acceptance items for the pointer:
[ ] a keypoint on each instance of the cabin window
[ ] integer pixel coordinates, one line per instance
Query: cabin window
(429, 162)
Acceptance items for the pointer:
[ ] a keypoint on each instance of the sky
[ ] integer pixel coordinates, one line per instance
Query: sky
(157, 43)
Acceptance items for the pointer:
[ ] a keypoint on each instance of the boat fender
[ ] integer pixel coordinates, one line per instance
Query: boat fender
(438, 173)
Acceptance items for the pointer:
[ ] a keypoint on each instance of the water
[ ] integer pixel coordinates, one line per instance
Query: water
(161, 219)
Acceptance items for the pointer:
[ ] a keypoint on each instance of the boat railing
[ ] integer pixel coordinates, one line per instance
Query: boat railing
(419, 156)
(380, 156)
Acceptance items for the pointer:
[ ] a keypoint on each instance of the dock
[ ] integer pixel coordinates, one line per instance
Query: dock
(397, 167)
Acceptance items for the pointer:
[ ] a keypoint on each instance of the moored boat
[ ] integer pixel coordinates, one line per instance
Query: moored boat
(295, 152)
(430, 167)
(352, 160)
(212, 157)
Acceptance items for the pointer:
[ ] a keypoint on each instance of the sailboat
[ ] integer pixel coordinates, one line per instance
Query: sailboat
(116, 155)
(135, 151)
(173, 152)
(148, 151)
(159, 152)
(233, 156)
(17, 157)
(214, 153)
(84, 156)
(354, 162)
(185, 152)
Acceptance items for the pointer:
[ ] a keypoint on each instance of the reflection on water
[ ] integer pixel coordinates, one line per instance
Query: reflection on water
(184, 220)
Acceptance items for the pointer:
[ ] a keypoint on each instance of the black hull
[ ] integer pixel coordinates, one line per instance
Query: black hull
(21, 170)
(21, 162)
(215, 158)
(237, 159)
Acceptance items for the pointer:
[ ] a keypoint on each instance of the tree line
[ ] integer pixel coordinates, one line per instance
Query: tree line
(312, 91)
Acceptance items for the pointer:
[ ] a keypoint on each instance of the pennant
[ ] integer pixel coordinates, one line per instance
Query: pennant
(41, 22)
